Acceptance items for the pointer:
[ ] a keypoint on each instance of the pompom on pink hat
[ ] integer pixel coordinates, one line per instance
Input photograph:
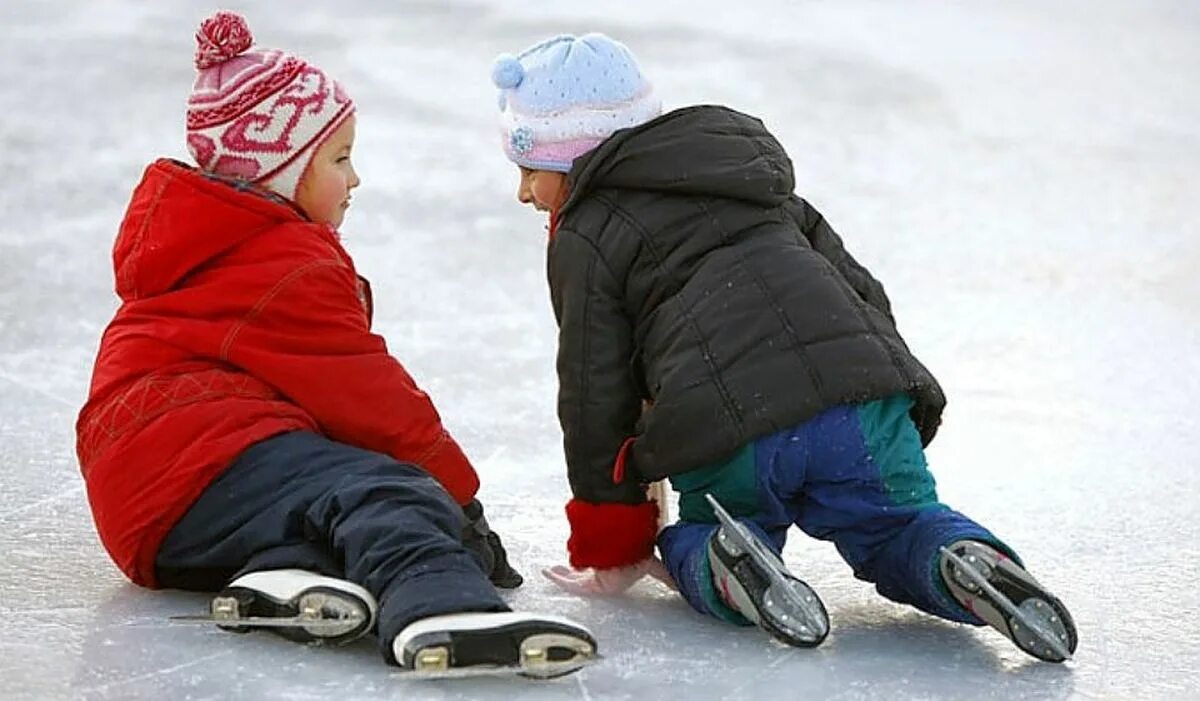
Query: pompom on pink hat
(258, 115)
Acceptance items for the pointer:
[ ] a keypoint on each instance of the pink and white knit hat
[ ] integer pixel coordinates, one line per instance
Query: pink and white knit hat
(258, 115)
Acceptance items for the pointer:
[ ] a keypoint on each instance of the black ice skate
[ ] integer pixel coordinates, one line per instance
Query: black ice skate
(296, 604)
(755, 582)
(470, 644)
(995, 588)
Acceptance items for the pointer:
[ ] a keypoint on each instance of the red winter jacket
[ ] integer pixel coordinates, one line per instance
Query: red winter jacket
(240, 320)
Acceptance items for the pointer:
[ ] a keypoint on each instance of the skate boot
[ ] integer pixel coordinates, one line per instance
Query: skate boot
(995, 588)
(296, 604)
(470, 644)
(753, 580)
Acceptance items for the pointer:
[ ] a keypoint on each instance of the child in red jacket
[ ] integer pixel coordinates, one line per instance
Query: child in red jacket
(246, 432)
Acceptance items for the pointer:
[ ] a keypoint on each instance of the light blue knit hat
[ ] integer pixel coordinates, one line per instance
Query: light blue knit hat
(560, 98)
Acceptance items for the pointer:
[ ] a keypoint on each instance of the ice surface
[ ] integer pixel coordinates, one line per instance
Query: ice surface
(1022, 175)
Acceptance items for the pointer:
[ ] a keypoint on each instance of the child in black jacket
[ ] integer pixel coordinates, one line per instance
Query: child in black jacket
(715, 332)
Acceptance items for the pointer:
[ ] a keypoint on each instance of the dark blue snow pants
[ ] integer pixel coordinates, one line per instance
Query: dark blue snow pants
(855, 475)
(299, 500)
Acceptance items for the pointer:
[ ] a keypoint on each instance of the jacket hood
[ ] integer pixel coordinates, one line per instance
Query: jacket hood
(180, 218)
(704, 150)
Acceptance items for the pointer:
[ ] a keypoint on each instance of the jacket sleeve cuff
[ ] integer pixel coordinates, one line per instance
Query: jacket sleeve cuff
(448, 464)
(612, 534)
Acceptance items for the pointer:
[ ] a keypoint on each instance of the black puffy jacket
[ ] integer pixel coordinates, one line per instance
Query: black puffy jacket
(684, 271)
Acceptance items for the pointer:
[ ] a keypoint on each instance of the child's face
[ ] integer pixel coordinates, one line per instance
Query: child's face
(544, 189)
(324, 189)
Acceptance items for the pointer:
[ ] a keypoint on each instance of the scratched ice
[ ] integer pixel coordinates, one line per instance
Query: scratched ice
(1022, 176)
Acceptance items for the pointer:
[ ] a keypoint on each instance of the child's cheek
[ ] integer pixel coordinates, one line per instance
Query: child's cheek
(334, 193)
(543, 192)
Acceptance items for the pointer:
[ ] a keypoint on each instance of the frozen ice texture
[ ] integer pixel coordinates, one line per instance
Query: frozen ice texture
(1021, 175)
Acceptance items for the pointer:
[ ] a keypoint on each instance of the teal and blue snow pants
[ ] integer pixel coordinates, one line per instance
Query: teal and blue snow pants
(855, 475)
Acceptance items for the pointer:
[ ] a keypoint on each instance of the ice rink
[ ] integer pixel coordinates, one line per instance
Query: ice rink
(1023, 176)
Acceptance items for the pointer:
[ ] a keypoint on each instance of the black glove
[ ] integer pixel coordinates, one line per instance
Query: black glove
(480, 539)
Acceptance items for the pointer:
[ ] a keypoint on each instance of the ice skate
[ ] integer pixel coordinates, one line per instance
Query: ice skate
(754, 581)
(470, 644)
(296, 604)
(995, 588)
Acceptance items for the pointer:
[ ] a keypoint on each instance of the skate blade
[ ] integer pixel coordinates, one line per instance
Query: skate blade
(269, 622)
(794, 608)
(430, 668)
(792, 605)
(1038, 622)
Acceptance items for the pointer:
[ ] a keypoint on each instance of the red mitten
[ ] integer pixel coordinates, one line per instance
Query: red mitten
(611, 535)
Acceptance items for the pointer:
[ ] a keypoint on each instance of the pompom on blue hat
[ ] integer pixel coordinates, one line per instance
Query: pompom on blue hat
(508, 72)
(563, 96)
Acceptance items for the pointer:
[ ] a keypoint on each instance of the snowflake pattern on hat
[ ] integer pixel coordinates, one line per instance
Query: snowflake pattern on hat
(521, 140)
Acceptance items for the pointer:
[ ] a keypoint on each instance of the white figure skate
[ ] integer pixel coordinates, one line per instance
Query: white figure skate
(482, 644)
(296, 604)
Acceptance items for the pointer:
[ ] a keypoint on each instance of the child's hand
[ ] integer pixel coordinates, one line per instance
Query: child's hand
(607, 582)
(479, 537)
